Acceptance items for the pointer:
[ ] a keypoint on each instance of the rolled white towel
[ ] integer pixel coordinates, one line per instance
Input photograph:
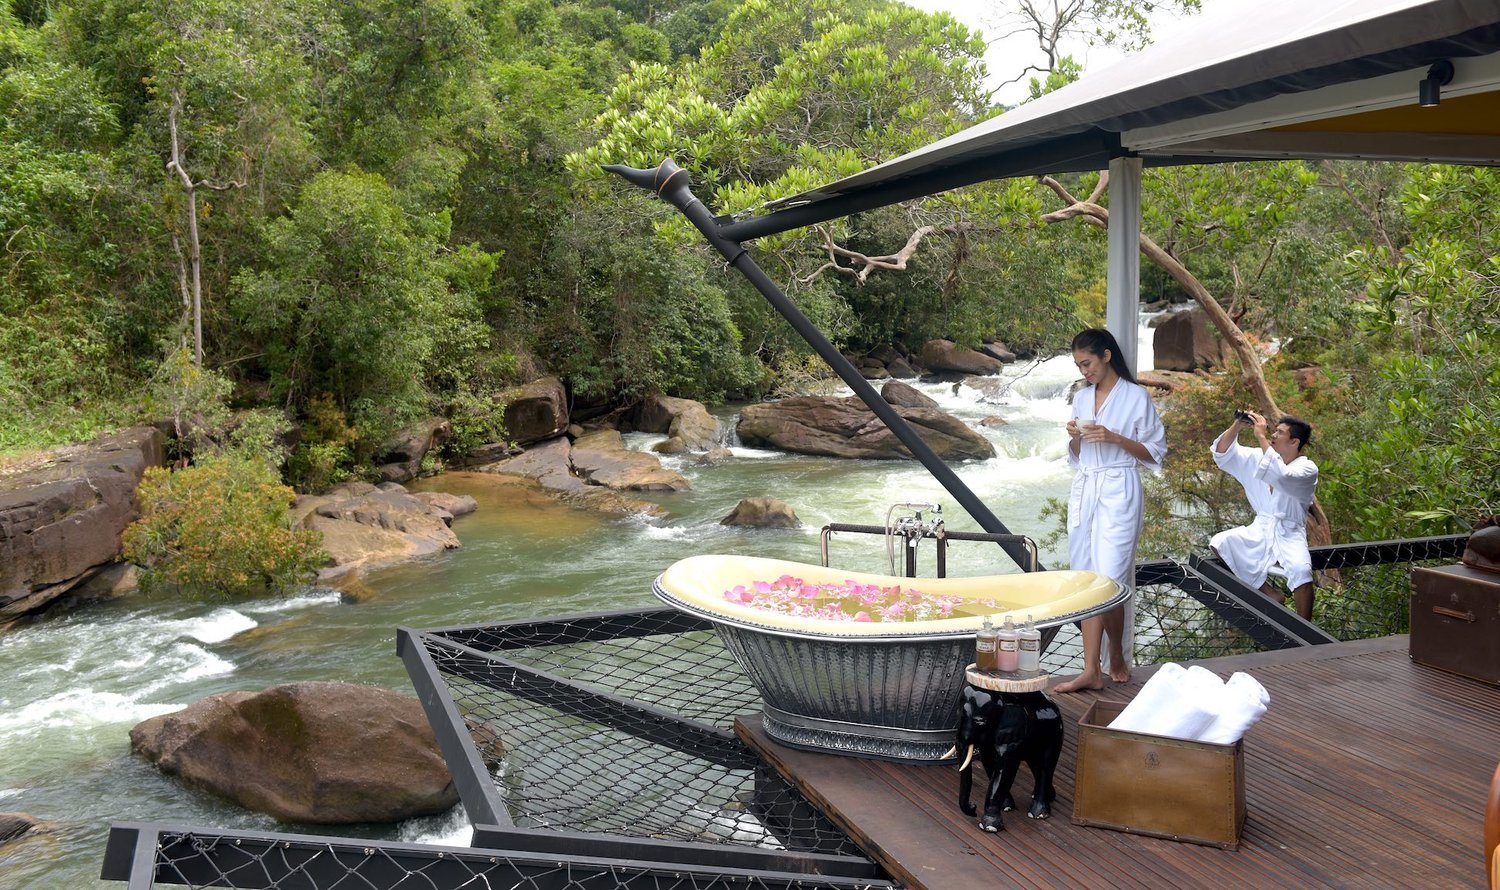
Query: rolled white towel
(1159, 693)
(1167, 705)
(1244, 702)
(1251, 686)
(1204, 683)
(1194, 709)
(1177, 702)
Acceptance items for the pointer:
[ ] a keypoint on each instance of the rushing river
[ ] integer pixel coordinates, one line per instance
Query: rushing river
(76, 684)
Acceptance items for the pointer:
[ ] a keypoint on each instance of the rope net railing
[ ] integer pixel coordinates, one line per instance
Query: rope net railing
(1364, 589)
(1362, 592)
(203, 859)
(682, 667)
(637, 742)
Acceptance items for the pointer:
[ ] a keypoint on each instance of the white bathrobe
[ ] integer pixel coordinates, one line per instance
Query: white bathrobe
(1106, 504)
(1280, 494)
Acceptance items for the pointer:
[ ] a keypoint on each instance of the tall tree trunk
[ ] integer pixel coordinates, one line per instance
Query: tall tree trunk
(195, 252)
(195, 249)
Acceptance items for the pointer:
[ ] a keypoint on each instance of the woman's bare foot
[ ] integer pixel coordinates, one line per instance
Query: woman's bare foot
(1119, 668)
(1086, 680)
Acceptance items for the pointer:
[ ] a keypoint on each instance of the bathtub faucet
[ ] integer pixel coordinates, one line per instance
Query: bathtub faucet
(912, 528)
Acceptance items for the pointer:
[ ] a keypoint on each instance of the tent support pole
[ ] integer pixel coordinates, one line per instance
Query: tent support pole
(1123, 290)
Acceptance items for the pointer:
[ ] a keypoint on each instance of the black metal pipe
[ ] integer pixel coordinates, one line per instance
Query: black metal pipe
(670, 182)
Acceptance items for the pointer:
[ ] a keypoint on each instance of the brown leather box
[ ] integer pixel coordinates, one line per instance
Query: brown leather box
(1455, 621)
(1164, 787)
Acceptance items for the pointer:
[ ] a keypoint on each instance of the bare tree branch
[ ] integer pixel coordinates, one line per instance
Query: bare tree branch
(862, 265)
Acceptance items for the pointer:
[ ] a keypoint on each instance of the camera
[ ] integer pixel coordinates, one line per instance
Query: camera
(1244, 417)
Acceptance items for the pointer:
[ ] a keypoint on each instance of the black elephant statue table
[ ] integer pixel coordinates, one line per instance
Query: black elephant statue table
(1007, 719)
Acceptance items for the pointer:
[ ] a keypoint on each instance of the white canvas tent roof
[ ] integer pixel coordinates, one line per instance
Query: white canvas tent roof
(1282, 78)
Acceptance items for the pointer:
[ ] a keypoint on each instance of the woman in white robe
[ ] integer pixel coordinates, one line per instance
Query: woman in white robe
(1114, 430)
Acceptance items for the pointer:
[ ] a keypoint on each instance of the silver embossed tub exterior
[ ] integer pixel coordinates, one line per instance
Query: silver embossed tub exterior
(887, 690)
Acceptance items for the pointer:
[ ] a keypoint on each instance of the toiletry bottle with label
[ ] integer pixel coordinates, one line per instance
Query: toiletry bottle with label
(1008, 648)
(985, 646)
(1030, 657)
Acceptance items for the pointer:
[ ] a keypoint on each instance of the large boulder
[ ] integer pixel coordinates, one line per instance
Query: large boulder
(900, 368)
(762, 513)
(314, 752)
(845, 427)
(601, 458)
(102, 584)
(364, 526)
(682, 419)
(997, 349)
(945, 356)
(906, 395)
(536, 411)
(550, 465)
(400, 457)
(452, 504)
(13, 825)
(60, 521)
(545, 462)
(1186, 342)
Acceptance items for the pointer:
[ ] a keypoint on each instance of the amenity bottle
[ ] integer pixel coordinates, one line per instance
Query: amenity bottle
(985, 646)
(1030, 654)
(1008, 650)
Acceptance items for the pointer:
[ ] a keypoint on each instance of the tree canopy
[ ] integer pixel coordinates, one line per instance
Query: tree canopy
(378, 209)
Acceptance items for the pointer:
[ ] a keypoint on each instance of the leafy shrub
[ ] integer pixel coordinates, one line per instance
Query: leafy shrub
(477, 420)
(220, 528)
(258, 435)
(327, 453)
(194, 398)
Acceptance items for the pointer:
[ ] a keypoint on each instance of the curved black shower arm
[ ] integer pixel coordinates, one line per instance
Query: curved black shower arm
(670, 183)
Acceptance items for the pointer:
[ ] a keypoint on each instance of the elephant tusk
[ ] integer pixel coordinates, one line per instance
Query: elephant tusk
(951, 752)
(967, 759)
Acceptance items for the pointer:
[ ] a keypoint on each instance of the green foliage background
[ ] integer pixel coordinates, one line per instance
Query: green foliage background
(401, 213)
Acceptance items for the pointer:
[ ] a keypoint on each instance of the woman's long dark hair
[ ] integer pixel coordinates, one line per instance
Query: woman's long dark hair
(1096, 341)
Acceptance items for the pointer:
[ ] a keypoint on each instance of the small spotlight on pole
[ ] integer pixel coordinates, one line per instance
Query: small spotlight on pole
(1438, 76)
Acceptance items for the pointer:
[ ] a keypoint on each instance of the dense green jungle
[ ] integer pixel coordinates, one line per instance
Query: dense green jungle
(325, 219)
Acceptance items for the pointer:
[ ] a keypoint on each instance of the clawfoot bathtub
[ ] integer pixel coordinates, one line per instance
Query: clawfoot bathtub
(887, 689)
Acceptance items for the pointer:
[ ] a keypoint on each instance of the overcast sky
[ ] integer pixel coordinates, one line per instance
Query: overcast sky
(1006, 58)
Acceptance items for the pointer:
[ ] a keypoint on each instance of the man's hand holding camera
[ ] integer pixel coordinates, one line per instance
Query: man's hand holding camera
(1253, 420)
(1280, 491)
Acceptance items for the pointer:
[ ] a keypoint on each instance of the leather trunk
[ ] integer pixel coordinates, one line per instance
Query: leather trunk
(1164, 787)
(1455, 621)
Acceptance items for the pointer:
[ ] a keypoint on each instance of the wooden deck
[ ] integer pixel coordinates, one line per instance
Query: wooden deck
(1367, 771)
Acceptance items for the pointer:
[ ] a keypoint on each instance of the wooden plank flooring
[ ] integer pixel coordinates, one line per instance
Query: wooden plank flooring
(1367, 771)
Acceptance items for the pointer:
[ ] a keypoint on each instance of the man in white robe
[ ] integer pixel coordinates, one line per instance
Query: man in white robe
(1279, 483)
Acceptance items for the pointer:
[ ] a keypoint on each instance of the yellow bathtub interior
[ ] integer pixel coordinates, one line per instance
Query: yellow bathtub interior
(698, 583)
